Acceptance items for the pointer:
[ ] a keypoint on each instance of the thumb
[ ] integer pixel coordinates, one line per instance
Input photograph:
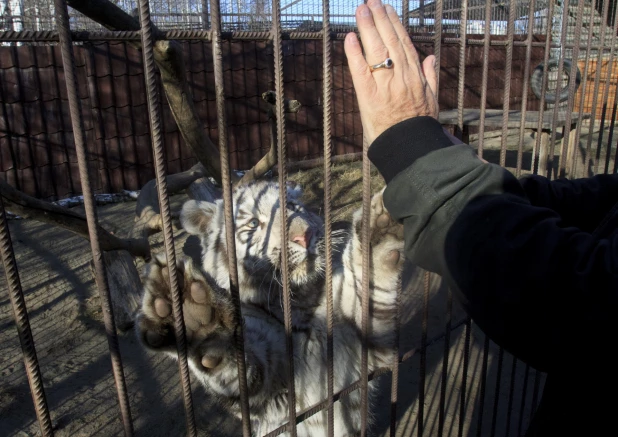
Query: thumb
(429, 71)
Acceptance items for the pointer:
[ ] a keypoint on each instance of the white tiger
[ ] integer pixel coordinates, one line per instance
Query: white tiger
(208, 309)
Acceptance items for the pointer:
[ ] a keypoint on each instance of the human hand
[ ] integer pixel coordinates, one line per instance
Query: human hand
(388, 96)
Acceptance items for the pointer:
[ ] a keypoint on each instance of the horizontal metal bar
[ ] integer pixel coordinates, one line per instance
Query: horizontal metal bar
(310, 411)
(206, 35)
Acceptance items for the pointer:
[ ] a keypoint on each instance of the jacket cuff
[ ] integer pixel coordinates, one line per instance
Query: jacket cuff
(401, 145)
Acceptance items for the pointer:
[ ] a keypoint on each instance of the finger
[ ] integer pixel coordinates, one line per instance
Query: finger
(361, 75)
(404, 37)
(375, 49)
(429, 70)
(385, 28)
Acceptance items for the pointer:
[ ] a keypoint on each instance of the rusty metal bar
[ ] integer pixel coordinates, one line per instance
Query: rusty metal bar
(509, 410)
(483, 387)
(595, 93)
(423, 358)
(68, 62)
(574, 163)
(20, 313)
(30, 36)
(447, 341)
(464, 378)
(230, 240)
(486, 41)
(310, 411)
(328, 227)
(565, 149)
(283, 176)
(405, 14)
(507, 82)
(497, 392)
(538, 147)
(365, 286)
(606, 95)
(154, 116)
(437, 39)
(365, 280)
(395, 368)
(524, 97)
(463, 22)
(523, 401)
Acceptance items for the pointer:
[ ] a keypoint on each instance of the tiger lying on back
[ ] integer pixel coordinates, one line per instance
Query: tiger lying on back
(208, 309)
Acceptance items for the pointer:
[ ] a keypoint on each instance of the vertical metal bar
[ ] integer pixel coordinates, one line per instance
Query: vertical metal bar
(562, 160)
(68, 62)
(597, 80)
(539, 130)
(484, 78)
(230, 240)
(447, 341)
(365, 287)
(365, 247)
(461, 85)
(423, 359)
(497, 392)
(152, 95)
(464, 377)
(283, 176)
(483, 387)
(395, 376)
(610, 66)
(18, 303)
(524, 97)
(405, 14)
(509, 410)
(507, 82)
(437, 41)
(582, 99)
(523, 400)
(328, 109)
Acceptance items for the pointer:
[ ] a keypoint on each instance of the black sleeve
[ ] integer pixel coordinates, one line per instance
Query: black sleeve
(531, 283)
(581, 203)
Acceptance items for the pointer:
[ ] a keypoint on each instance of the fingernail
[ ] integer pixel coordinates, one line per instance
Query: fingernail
(364, 11)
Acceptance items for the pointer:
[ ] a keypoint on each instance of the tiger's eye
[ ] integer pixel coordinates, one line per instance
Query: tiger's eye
(253, 223)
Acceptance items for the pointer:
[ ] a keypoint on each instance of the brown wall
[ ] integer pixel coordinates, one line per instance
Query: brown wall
(37, 153)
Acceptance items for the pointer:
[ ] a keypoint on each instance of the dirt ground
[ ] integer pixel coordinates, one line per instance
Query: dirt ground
(66, 321)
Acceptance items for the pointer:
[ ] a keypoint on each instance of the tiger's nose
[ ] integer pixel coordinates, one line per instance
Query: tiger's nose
(303, 239)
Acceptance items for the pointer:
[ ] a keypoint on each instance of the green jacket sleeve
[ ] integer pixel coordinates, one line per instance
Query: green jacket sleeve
(516, 267)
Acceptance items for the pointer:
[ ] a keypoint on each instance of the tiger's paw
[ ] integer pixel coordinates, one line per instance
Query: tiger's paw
(207, 313)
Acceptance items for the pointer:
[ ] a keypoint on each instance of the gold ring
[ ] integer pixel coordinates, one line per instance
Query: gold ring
(387, 63)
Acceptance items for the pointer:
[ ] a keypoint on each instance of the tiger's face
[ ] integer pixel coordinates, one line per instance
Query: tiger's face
(258, 225)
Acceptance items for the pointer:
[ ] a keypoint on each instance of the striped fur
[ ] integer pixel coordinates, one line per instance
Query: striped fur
(257, 222)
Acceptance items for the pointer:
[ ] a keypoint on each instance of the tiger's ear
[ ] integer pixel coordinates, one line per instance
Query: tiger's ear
(294, 190)
(196, 216)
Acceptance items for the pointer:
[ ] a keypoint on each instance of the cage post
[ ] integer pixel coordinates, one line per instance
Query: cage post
(327, 99)
(20, 313)
(68, 62)
(597, 80)
(485, 76)
(610, 68)
(563, 161)
(507, 82)
(283, 177)
(152, 95)
(540, 146)
(215, 16)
